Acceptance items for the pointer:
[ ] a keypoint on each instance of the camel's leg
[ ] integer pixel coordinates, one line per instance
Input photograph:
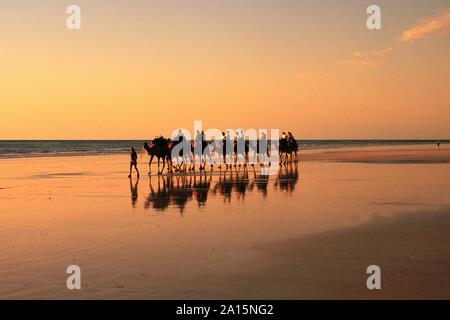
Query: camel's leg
(164, 164)
(150, 165)
(192, 167)
(211, 162)
(158, 165)
(169, 164)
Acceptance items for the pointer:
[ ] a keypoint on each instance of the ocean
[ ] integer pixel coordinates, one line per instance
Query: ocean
(52, 148)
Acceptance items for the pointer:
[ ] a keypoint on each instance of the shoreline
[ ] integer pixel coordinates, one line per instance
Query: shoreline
(367, 153)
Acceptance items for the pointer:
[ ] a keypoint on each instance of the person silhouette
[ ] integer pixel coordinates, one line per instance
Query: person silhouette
(133, 161)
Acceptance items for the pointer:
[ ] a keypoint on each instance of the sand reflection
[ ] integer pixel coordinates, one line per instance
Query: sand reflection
(177, 191)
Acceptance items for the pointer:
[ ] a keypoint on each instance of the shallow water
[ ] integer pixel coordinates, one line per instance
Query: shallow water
(175, 236)
(65, 148)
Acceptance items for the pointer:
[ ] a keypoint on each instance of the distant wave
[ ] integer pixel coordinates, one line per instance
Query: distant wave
(55, 148)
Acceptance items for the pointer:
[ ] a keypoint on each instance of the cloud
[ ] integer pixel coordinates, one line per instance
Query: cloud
(359, 63)
(379, 53)
(315, 75)
(436, 25)
(351, 66)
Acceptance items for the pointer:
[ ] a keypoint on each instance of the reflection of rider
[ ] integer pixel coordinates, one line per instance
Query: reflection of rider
(159, 200)
(134, 192)
(201, 190)
(287, 180)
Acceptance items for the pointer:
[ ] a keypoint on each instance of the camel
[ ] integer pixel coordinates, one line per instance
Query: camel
(160, 149)
(205, 146)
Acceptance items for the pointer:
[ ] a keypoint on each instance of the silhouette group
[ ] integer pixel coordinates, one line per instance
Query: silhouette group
(162, 148)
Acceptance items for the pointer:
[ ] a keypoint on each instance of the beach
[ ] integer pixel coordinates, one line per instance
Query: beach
(308, 232)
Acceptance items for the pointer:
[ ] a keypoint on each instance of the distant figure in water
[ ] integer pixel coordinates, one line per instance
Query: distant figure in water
(438, 144)
(133, 162)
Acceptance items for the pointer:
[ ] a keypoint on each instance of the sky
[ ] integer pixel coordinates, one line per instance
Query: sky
(137, 69)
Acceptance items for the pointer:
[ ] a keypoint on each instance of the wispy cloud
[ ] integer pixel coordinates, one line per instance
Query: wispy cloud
(379, 53)
(350, 66)
(315, 75)
(362, 63)
(438, 24)
(357, 65)
(435, 25)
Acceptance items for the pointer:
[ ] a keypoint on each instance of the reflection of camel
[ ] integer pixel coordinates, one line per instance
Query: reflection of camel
(160, 199)
(287, 177)
(232, 180)
(224, 185)
(201, 189)
(134, 192)
(261, 182)
(241, 183)
(178, 191)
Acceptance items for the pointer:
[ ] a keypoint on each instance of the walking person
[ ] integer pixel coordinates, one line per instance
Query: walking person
(133, 162)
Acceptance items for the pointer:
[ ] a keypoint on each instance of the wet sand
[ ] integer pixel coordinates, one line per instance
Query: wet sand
(411, 249)
(381, 155)
(308, 232)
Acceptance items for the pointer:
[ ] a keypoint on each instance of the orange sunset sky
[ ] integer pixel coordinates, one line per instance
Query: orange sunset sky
(141, 68)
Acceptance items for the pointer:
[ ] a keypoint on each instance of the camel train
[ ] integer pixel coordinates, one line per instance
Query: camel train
(162, 148)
